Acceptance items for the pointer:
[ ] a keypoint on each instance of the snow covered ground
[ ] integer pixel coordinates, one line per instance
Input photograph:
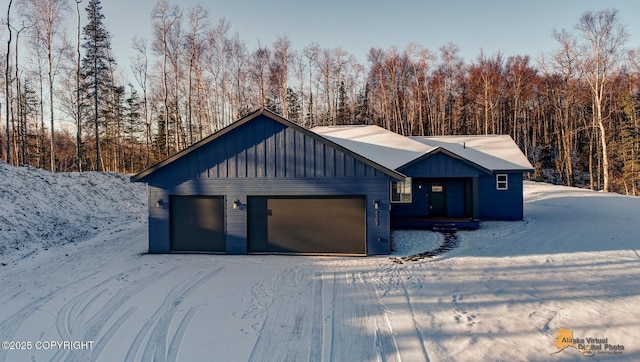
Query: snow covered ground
(74, 268)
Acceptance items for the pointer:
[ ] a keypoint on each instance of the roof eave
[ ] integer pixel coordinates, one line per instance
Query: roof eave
(143, 174)
(523, 170)
(140, 177)
(440, 149)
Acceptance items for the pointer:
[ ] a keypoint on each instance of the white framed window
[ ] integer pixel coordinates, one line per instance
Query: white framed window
(502, 181)
(401, 191)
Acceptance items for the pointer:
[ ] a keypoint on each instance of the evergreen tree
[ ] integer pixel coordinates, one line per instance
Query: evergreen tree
(134, 125)
(343, 116)
(96, 64)
(294, 107)
(362, 115)
(160, 139)
(28, 103)
(309, 118)
(133, 115)
(629, 145)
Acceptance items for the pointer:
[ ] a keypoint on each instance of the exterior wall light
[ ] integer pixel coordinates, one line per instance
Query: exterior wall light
(236, 204)
(159, 203)
(376, 204)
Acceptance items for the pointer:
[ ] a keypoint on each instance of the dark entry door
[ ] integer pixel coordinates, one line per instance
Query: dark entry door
(437, 199)
(197, 224)
(309, 225)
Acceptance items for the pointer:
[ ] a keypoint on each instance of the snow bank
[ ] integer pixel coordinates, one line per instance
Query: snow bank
(40, 209)
(559, 220)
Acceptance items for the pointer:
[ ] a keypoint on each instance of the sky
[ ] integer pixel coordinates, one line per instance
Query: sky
(510, 27)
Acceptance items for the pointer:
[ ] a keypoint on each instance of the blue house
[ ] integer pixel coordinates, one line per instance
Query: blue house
(450, 181)
(266, 185)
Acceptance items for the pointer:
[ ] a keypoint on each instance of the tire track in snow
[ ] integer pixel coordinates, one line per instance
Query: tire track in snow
(98, 321)
(386, 343)
(327, 301)
(316, 316)
(156, 349)
(353, 319)
(317, 328)
(389, 284)
(287, 328)
(11, 325)
(157, 345)
(112, 331)
(174, 347)
(413, 321)
(69, 318)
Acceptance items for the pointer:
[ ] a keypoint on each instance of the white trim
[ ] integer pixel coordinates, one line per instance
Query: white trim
(502, 184)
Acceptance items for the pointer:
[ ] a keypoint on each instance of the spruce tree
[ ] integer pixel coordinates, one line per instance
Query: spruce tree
(628, 144)
(293, 104)
(134, 125)
(343, 116)
(96, 65)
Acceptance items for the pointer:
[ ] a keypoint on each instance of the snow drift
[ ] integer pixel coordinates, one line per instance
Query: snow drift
(40, 209)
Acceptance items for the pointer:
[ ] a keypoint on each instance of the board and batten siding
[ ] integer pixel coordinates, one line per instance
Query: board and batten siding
(266, 158)
(266, 149)
(439, 165)
(378, 222)
(501, 204)
(464, 180)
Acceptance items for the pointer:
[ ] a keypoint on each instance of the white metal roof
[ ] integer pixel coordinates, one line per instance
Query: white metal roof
(375, 143)
(493, 152)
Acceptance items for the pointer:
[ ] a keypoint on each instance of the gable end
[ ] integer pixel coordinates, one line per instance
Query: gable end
(264, 145)
(442, 163)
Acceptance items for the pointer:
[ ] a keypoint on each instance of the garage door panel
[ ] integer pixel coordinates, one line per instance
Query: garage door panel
(197, 224)
(317, 225)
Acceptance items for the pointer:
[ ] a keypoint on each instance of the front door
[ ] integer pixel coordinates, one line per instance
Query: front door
(437, 202)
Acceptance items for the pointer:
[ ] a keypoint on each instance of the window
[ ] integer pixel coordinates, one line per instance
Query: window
(401, 191)
(502, 182)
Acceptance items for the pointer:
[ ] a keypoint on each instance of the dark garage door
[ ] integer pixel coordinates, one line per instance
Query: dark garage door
(197, 224)
(313, 225)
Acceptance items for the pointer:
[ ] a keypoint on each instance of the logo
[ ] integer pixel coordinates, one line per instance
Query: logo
(586, 346)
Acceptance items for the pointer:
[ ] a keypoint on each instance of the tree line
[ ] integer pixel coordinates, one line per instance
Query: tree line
(573, 112)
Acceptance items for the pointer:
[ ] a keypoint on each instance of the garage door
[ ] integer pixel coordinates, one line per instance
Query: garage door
(197, 224)
(307, 225)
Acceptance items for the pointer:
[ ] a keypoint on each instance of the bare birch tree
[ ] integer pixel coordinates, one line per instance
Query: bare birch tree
(279, 70)
(139, 67)
(604, 38)
(47, 17)
(164, 19)
(6, 84)
(195, 43)
(564, 63)
(78, 103)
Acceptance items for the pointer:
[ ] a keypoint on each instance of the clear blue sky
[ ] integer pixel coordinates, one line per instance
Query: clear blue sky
(509, 26)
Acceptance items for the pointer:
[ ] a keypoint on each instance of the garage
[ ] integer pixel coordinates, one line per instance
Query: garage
(307, 225)
(197, 224)
(266, 185)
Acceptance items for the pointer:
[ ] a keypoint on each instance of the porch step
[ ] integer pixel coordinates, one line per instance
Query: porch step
(447, 228)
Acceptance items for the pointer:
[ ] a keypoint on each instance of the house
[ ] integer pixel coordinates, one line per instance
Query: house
(449, 180)
(267, 185)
